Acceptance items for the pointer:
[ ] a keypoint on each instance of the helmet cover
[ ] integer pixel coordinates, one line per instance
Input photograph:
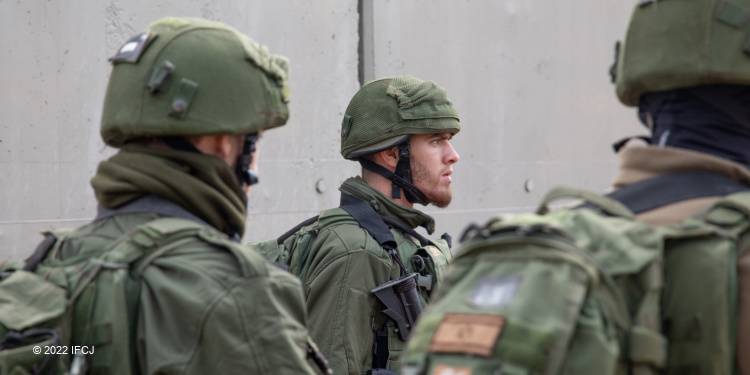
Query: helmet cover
(188, 76)
(385, 112)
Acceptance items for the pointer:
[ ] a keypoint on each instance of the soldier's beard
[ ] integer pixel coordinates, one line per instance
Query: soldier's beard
(437, 190)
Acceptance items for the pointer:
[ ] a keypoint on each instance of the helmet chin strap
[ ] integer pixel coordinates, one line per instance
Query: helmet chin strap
(401, 178)
(242, 171)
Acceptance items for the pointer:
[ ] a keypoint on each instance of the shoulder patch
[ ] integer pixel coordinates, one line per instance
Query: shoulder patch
(132, 49)
(467, 333)
(434, 250)
(495, 291)
(450, 370)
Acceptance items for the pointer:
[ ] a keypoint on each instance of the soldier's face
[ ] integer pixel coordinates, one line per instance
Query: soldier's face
(432, 162)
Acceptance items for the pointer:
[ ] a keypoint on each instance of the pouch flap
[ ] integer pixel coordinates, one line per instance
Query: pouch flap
(27, 300)
(271, 250)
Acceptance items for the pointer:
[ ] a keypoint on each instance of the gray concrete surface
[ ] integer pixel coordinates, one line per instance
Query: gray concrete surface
(528, 78)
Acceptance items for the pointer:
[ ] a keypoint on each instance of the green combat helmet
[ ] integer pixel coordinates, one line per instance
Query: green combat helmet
(677, 44)
(384, 113)
(187, 76)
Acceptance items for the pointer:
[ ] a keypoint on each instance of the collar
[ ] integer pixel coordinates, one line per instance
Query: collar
(641, 162)
(357, 187)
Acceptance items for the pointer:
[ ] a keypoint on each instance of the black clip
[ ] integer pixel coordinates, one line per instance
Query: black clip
(448, 239)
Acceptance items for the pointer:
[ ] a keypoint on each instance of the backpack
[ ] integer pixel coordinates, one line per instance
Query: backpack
(588, 290)
(78, 315)
(700, 299)
(699, 303)
(561, 292)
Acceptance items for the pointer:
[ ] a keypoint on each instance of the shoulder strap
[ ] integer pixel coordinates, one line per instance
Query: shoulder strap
(157, 237)
(422, 240)
(369, 220)
(40, 253)
(141, 240)
(294, 230)
(44, 247)
(607, 205)
(373, 223)
(670, 188)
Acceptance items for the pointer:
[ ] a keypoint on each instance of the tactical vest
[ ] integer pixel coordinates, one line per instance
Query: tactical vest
(426, 264)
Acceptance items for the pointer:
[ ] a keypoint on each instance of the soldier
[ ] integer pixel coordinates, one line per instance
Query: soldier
(350, 258)
(693, 94)
(685, 65)
(186, 102)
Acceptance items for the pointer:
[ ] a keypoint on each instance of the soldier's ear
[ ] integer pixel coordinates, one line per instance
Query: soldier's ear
(389, 158)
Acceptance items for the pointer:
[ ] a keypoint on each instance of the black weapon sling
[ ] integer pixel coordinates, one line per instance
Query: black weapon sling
(375, 225)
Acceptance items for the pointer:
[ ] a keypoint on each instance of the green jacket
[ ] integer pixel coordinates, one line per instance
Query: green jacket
(344, 264)
(196, 313)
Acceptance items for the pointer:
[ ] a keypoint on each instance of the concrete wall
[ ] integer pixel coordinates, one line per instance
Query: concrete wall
(528, 78)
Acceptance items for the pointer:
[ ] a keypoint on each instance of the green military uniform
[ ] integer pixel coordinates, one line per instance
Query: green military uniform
(196, 301)
(638, 163)
(344, 264)
(197, 314)
(685, 64)
(340, 261)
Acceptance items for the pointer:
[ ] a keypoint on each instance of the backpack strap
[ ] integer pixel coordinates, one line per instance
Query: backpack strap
(157, 237)
(40, 253)
(663, 190)
(606, 204)
(44, 247)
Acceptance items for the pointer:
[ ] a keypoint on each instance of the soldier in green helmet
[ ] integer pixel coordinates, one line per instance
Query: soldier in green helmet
(358, 260)
(186, 102)
(686, 66)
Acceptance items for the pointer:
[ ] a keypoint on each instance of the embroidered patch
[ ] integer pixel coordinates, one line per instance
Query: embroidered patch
(467, 333)
(449, 370)
(434, 250)
(495, 291)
